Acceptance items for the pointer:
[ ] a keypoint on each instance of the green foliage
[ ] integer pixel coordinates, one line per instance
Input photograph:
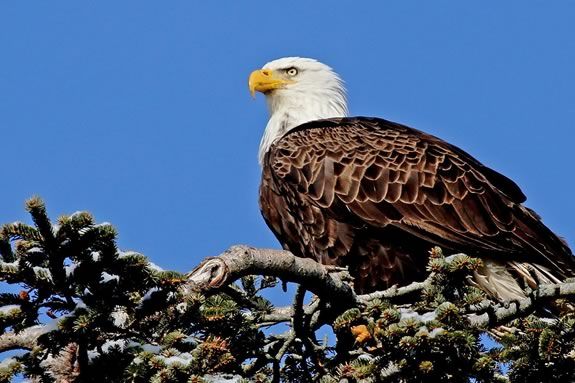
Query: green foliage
(8, 368)
(116, 313)
(541, 350)
(112, 316)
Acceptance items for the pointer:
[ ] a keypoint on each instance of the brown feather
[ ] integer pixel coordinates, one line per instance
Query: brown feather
(376, 196)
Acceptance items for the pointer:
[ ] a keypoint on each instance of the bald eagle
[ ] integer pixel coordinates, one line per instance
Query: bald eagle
(376, 196)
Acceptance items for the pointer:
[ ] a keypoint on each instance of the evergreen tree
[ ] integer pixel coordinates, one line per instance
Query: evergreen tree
(89, 312)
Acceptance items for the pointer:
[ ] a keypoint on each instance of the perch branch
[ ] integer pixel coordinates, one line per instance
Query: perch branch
(239, 261)
(331, 284)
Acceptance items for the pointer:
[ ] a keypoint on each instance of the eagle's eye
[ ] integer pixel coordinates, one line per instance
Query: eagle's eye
(291, 71)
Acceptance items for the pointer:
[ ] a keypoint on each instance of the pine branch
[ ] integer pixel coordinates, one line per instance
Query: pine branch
(238, 261)
(215, 272)
(65, 367)
(116, 315)
(498, 314)
(396, 292)
(25, 339)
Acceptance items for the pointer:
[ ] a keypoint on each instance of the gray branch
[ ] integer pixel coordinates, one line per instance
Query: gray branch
(239, 261)
(332, 284)
(499, 314)
(395, 291)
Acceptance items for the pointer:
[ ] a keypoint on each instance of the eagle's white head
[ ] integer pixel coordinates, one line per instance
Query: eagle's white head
(297, 90)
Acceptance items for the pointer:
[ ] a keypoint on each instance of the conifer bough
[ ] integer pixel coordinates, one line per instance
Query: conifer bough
(81, 310)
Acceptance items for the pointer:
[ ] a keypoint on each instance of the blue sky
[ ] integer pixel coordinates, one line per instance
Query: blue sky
(139, 112)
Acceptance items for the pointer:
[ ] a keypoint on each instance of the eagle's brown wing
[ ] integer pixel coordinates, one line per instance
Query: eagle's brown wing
(374, 194)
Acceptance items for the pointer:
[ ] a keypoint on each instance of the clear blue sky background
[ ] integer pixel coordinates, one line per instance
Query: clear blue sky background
(139, 112)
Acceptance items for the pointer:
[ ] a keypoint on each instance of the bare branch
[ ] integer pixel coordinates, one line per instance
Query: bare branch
(395, 291)
(287, 342)
(240, 260)
(278, 315)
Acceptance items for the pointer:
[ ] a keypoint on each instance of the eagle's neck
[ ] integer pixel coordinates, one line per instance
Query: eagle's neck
(291, 109)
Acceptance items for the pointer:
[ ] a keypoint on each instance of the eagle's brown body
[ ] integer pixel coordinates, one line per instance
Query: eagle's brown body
(377, 196)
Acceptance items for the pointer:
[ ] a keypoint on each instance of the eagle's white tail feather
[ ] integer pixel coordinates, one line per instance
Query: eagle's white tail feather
(533, 274)
(502, 280)
(495, 279)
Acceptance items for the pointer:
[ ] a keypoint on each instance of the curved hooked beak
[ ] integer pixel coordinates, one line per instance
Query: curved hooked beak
(265, 80)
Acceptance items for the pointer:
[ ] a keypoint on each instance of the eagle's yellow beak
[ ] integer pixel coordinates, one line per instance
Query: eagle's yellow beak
(264, 80)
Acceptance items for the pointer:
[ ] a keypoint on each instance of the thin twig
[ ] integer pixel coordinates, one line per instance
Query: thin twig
(395, 291)
(300, 329)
